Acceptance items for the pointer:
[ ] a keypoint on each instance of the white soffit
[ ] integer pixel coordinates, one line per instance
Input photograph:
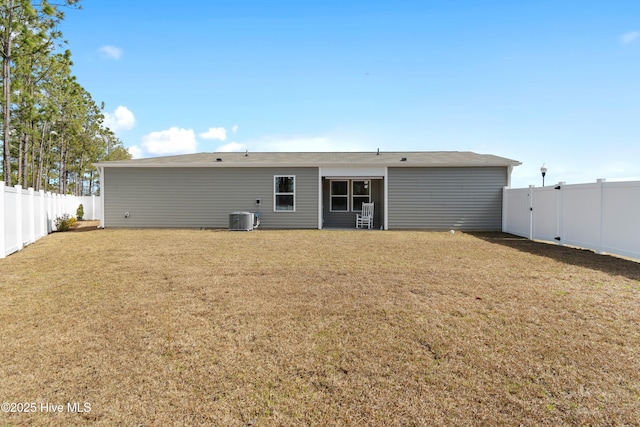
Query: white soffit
(350, 172)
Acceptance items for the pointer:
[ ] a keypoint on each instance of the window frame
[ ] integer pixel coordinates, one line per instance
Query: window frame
(360, 196)
(345, 196)
(276, 193)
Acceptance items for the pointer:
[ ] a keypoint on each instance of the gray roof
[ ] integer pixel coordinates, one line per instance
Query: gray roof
(336, 159)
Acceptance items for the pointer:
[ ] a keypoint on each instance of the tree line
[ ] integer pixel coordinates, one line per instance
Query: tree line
(52, 129)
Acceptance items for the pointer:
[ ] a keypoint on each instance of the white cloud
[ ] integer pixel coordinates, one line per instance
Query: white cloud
(111, 52)
(176, 141)
(169, 142)
(215, 133)
(136, 152)
(231, 147)
(630, 37)
(121, 119)
(234, 129)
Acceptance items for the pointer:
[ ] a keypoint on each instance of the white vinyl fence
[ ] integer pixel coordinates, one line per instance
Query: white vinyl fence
(26, 215)
(603, 217)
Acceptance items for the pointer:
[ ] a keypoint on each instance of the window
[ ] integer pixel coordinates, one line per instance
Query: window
(361, 191)
(349, 195)
(284, 193)
(339, 196)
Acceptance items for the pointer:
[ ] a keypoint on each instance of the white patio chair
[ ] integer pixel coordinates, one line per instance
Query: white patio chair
(365, 218)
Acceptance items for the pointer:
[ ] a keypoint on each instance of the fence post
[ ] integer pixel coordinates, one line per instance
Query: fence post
(43, 214)
(93, 207)
(3, 248)
(531, 190)
(19, 219)
(54, 211)
(56, 208)
(601, 183)
(32, 215)
(49, 212)
(561, 215)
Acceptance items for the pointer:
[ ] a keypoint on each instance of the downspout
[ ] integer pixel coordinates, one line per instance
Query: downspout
(320, 221)
(386, 197)
(101, 173)
(505, 199)
(505, 210)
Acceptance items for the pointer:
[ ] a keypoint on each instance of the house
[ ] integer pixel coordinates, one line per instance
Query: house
(411, 190)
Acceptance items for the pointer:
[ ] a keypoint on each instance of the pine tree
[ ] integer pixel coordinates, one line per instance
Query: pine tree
(26, 29)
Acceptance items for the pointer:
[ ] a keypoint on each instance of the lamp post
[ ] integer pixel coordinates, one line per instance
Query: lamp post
(543, 171)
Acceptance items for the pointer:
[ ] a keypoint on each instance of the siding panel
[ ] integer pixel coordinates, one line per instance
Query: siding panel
(446, 198)
(204, 197)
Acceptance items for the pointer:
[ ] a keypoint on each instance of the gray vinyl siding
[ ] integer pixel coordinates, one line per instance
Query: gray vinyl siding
(204, 197)
(465, 198)
(348, 219)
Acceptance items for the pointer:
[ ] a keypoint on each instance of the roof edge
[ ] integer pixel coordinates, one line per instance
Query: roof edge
(318, 159)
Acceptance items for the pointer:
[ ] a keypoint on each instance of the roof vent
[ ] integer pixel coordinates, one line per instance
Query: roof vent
(218, 159)
(378, 153)
(404, 159)
(246, 153)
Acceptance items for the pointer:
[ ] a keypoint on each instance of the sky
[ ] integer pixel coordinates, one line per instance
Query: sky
(541, 82)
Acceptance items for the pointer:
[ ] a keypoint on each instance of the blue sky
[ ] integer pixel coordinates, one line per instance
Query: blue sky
(555, 82)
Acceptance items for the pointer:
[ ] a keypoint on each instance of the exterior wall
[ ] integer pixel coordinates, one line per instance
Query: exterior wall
(348, 219)
(204, 197)
(465, 198)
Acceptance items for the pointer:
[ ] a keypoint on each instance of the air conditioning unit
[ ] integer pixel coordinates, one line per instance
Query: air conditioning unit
(241, 221)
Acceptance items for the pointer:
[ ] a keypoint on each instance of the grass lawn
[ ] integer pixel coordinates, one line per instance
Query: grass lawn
(264, 328)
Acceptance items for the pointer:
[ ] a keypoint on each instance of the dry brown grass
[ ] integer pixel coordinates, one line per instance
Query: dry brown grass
(186, 327)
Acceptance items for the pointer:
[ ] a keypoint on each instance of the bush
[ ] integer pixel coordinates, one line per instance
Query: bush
(64, 222)
(80, 212)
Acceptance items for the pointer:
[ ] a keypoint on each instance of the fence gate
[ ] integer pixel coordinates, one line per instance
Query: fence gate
(601, 216)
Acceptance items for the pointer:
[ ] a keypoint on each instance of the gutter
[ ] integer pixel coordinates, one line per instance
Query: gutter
(101, 174)
(300, 165)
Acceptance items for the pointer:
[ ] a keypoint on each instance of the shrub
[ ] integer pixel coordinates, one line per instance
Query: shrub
(64, 222)
(80, 212)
